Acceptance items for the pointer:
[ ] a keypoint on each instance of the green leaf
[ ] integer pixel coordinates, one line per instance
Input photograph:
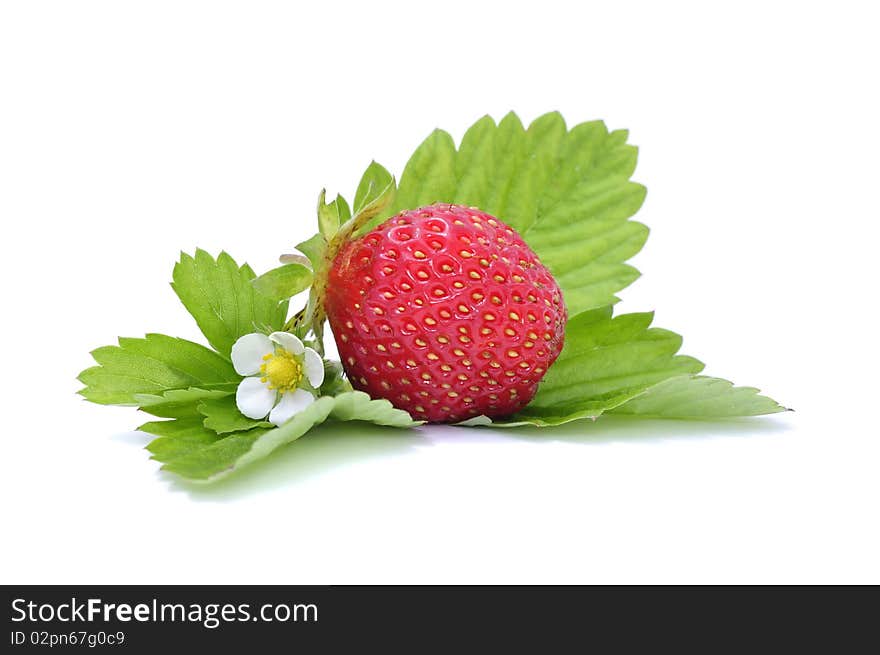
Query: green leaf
(153, 366)
(221, 298)
(203, 451)
(222, 416)
(373, 182)
(217, 458)
(283, 282)
(178, 427)
(605, 362)
(177, 437)
(567, 192)
(429, 175)
(358, 406)
(698, 397)
(178, 403)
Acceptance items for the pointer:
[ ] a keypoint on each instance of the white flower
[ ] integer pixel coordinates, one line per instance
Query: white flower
(283, 375)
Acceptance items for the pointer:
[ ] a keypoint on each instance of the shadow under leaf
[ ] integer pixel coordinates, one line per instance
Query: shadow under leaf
(338, 445)
(326, 447)
(610, 428)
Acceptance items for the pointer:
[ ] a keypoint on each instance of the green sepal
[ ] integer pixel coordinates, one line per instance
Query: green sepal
(374, 182)
(331, 215)
(315, 248)
(335, 382)
(375, 193)
(284, 282)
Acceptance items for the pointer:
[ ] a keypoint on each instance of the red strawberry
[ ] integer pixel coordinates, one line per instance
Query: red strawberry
(446, 312)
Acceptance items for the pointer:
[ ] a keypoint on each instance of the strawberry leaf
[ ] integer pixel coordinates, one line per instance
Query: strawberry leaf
(221, 298)
(429, 176)
(698, 396)
(179, 403)
(178, 437)
(189, 441)
(198, 453)
(138, 372)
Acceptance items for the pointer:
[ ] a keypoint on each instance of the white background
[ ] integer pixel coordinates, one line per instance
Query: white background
(130, 131)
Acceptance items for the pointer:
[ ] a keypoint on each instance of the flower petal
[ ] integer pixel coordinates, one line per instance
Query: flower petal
(290, 404)
(248, 352)
(290, 342)
(314, 366)
(254, 398)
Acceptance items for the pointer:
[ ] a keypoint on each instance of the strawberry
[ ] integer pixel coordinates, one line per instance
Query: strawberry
(446, 312)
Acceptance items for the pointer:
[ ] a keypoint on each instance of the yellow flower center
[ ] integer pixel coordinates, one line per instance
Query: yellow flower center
(281, 371)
